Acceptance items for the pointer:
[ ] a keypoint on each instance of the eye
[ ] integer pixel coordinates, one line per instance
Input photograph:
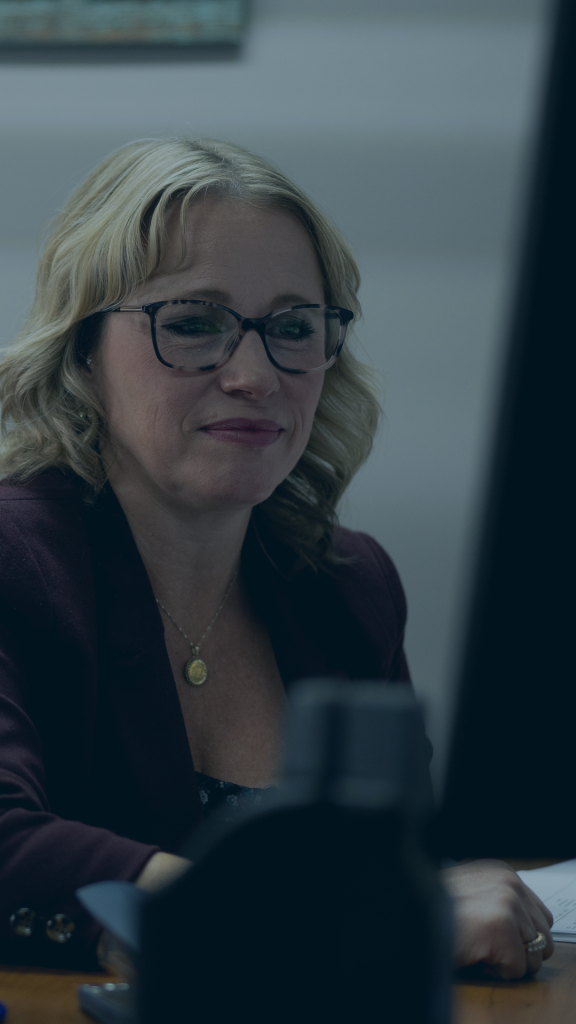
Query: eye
(289, 328)
(194, 326)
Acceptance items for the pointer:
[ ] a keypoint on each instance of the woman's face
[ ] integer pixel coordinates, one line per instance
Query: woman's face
(194, 440)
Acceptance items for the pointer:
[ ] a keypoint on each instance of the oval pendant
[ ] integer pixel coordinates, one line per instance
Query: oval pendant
(195, 672)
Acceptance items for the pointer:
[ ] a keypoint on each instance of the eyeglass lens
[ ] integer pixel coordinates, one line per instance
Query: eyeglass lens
(195, 337)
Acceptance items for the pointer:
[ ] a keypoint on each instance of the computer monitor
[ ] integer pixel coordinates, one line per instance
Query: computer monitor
(511, 779)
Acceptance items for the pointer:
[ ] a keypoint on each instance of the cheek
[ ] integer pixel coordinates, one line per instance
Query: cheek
(127, 396)
(132, 391)
(306, 393)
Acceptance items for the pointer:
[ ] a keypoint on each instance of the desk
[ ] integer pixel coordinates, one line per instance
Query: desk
(49, 997)
(35, 996)
(548, 998)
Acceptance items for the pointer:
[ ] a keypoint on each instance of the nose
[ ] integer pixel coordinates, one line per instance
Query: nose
(249, 372)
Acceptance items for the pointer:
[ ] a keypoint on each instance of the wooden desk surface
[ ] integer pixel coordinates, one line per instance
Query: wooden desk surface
(34, 996)
(49, 997)
(548, 998)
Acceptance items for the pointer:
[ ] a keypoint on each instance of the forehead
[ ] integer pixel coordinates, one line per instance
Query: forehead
(218, 234)
(247, 257)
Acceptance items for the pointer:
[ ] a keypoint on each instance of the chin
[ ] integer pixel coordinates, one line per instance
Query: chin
(227, 494)
(237, 498)
(224, 484)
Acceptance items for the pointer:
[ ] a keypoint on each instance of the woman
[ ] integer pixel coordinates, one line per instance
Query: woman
(170, 559)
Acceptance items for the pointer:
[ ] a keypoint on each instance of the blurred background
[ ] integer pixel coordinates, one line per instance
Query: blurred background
(410, 123)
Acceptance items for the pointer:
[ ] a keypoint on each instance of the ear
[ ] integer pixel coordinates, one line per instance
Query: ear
(86, 368)
(87, 339)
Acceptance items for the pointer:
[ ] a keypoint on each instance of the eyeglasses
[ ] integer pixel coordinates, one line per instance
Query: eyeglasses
(197, 336)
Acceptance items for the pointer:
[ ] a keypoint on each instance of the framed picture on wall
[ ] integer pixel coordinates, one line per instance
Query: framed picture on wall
(115, 23)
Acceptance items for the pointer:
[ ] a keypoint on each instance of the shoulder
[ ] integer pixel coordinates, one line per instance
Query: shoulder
(42, 531)
(369, 570)
(42, 509)
(50, 485)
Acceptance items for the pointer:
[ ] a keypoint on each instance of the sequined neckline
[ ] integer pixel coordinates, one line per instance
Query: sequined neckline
(215, 793)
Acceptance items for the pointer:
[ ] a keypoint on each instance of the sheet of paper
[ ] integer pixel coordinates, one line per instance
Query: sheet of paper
(556, 887)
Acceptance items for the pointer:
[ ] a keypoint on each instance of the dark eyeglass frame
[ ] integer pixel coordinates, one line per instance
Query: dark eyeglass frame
(245, 324)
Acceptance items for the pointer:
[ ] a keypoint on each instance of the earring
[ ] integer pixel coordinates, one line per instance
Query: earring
(88, 362)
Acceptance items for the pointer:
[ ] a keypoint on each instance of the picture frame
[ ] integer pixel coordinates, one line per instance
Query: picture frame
(45, 24)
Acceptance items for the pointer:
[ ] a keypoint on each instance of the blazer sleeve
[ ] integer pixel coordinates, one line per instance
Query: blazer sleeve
(397, 670)
(370, 586)
(44, 857)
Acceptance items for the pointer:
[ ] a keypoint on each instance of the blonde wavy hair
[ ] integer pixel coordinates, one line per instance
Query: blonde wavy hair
(108, 240)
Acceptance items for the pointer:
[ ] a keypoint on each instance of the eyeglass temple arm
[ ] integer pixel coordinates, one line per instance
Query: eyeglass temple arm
(121, 309)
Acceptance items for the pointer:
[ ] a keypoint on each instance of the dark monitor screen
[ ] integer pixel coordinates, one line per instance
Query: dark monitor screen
(511, 782)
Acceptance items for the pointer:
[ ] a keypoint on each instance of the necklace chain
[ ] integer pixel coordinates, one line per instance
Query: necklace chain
(196, 647)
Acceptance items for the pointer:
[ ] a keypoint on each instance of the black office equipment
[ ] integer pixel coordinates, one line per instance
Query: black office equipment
(303, 910)
(512, 773)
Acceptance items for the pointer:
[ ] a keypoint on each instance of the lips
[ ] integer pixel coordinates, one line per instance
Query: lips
(250, 433)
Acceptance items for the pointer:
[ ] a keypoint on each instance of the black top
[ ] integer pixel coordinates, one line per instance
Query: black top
(216, 794)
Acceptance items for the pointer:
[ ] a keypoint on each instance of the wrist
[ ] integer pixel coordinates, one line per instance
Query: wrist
(160, 870)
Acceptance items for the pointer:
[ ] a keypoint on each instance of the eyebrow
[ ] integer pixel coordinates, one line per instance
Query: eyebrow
(216, 295)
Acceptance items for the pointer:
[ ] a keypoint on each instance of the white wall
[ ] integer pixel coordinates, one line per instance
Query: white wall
(408, 122)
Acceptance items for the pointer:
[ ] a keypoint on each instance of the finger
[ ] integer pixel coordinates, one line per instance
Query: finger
(541, 921)
(534, 958)
(541, 907)
(540, 924)
(537, 956)
(512, 969)
(508, 967)
(509, 957)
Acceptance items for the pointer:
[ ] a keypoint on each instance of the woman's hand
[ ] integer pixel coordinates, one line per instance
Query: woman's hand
(161, 869)
(495, 914)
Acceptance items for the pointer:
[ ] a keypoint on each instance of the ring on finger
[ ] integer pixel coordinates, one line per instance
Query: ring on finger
(535, 945)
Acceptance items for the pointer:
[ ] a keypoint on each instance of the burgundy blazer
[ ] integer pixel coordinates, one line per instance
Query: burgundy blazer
(96, 773)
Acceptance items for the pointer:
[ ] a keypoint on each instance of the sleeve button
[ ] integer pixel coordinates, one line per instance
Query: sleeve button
(59, 928)
(23, 922)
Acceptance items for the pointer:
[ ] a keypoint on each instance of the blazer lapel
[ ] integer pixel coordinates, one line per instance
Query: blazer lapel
(136, 676)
